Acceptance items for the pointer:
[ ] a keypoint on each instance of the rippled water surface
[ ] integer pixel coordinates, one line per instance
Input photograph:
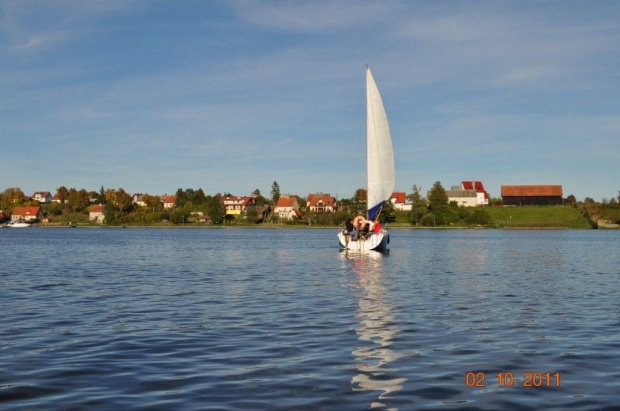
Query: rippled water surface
(280, 319)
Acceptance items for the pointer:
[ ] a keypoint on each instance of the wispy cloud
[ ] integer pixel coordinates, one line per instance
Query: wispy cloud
(316, 16)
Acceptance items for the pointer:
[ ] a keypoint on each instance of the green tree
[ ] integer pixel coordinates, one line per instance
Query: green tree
(251, 214)
(275, 192)
(215, 209)
(199, 197)
(571, 200)
(481, 216)
(437, 197)
(388, 213)
(181, 198)
(101, 196)
(415, 197)
(589, 200)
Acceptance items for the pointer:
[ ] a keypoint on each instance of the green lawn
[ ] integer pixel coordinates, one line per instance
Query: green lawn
(538, 217)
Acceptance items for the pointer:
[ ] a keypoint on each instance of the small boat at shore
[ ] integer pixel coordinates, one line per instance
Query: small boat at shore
(18, 225)
(367, 233)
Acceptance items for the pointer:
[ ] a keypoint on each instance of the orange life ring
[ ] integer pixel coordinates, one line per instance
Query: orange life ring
(359, 221)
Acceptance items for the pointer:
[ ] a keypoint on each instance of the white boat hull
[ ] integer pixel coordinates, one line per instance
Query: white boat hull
(376, 241)
(19, 225)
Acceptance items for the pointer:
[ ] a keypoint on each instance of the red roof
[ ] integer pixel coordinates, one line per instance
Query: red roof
(532, 191)
(473, 185)
(328, 200)
(168, 199)
(400, 197)
(97, 208)
(24, 211)
(286, 202)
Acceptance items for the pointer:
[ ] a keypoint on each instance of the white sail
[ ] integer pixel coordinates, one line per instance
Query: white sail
(380, 155)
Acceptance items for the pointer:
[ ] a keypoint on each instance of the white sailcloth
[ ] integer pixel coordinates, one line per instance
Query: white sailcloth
(380, 154)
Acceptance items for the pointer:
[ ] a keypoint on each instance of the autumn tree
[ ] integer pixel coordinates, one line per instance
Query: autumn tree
(11, 197)
(359, 201)
(63, 194)
(78, 201)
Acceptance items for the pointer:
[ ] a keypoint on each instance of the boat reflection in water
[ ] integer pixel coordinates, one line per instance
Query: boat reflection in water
(377, 327)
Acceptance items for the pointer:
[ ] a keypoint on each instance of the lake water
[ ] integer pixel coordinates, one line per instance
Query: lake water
(280, 319)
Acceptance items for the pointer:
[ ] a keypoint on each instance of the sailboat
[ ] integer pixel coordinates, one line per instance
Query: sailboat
(380, 175)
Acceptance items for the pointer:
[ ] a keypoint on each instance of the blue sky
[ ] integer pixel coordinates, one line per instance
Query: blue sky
(230, 96)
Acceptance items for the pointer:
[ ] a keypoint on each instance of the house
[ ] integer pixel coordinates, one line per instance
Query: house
(138, 199)
(42, 196)
(532, 195)
(56, 199)
(398, 198)
(236, 205)
(287, 208)
(26, 214)
(168, 201)
(321, 203)
(465, 198)
(482, 197)
(97, 213)
(468, 194)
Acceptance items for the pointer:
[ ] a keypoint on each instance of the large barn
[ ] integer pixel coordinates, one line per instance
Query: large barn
(532, 195)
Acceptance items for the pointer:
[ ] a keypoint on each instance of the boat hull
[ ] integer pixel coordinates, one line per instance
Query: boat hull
(19, 225)
(376, 241)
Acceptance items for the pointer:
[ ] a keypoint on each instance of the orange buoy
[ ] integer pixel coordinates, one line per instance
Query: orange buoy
(359, 221)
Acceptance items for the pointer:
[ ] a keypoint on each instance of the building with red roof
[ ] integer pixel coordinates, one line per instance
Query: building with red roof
(236, 205)
(321, 203)
(532, 195)
(97, 213)
(27, 214)
(399, 199)
(168, 201)
(287, 208)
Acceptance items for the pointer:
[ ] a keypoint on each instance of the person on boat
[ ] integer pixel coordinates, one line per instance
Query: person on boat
(354, 234)
(347, 229)
(349, 225)
(365, 230)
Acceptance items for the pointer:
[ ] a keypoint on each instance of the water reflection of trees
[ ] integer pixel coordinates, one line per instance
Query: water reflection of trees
(376, 331)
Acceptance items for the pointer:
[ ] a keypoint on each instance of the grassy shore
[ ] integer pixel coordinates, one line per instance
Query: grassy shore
(538, 217)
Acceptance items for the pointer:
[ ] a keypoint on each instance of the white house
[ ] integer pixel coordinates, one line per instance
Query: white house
(321, 203)
(287, 208)
(236, 205)
(169, 201)
(398, 198)
(465, 198)
(97, 213)
(42, 196)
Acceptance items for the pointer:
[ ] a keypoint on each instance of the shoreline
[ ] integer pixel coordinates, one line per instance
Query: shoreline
(296, 227)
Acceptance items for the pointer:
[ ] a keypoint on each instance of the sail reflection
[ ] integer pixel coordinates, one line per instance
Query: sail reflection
(377, 328)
